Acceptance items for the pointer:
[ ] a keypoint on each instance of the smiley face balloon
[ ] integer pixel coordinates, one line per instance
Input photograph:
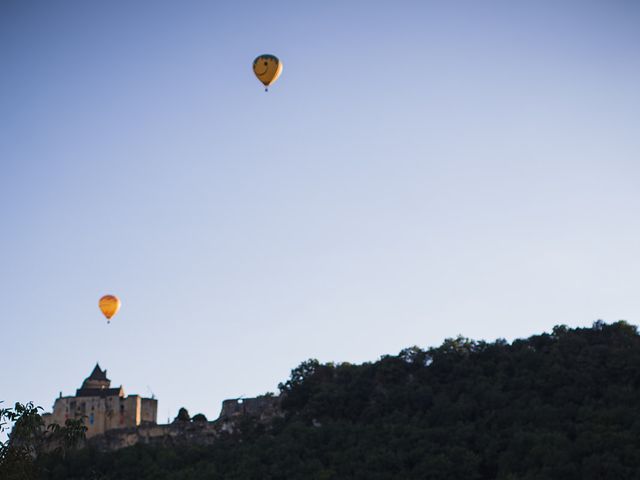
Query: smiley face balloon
(267, 68)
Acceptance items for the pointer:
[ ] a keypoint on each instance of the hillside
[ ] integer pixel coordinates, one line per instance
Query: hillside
(563, 405)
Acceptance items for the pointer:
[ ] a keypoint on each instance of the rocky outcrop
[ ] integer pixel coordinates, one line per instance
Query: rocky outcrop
(173, 434)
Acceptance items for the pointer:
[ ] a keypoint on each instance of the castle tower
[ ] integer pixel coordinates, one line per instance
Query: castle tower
(101, 407)
(97, 384)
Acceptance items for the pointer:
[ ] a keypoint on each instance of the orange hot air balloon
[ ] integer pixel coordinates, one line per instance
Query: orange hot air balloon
(109, 304)
(267, 68)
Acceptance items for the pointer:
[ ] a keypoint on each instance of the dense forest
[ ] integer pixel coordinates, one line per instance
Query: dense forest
(563, 405)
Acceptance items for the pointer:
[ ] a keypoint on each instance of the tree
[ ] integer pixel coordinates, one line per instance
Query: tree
(29, 439)
(183, 415)
(17, 453)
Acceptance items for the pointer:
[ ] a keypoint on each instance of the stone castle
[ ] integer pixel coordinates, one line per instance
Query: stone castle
(103, 408)
(114, 420)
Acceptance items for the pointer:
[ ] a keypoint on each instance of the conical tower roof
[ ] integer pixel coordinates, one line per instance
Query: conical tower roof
(98, 374)
(97, 384)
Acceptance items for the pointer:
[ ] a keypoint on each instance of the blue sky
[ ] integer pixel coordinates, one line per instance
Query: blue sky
(420, 170)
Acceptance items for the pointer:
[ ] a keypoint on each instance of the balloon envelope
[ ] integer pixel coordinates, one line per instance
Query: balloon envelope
(109, 305)
(267, 68)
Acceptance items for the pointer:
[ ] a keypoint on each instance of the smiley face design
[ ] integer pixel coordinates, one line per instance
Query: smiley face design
(267, 68)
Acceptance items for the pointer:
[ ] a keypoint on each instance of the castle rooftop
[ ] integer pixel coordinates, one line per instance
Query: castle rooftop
(98, 385)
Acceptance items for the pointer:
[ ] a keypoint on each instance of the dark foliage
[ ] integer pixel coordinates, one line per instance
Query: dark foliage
(183, 415)
(564, 405)
(30, 440)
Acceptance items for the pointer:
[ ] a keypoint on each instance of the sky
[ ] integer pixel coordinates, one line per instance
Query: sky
(421, 169)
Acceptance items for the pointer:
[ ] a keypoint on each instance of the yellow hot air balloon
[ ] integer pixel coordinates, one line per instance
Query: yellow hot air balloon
(109, 304)
(267, 68)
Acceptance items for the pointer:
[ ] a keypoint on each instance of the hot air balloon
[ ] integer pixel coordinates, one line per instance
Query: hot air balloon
(109, 305)
(267, 68)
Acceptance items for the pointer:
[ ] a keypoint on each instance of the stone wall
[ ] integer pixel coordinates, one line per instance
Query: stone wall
(104, 413)
(262, 408)
(259, 406)
(149, 410)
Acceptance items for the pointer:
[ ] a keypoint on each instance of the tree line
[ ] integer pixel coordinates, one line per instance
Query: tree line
(560, 405)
